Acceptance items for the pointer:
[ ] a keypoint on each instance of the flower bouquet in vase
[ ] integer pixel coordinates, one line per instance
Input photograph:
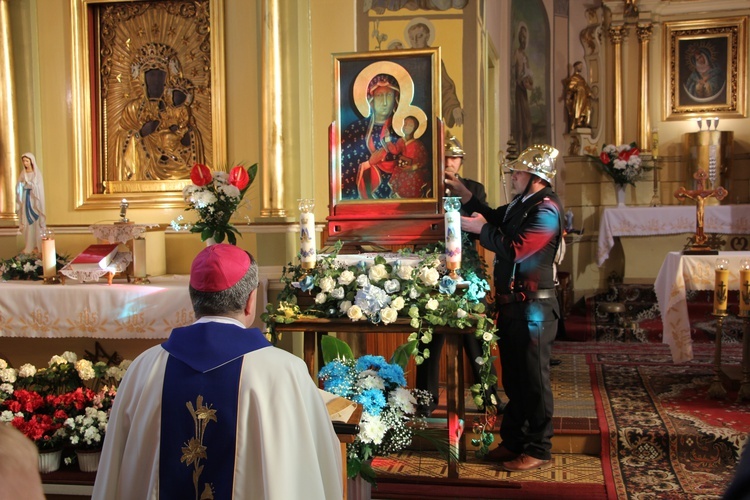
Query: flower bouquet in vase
(624, 165)
(216, 196)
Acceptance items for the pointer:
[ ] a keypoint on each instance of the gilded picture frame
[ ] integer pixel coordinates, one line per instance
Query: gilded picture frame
(386, 147)
(148, 98)
(705, 68)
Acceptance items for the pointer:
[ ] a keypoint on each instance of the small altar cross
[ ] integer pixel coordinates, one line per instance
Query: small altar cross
(699, 195)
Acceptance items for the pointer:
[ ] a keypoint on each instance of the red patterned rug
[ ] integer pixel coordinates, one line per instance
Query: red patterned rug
(662, 436)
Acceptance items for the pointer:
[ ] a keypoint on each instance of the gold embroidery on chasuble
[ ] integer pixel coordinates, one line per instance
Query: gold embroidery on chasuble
(193, 452)
(183, 317)
(88, 321)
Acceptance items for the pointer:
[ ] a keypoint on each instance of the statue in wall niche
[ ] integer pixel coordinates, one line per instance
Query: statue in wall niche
(30, 204)
(578, 97)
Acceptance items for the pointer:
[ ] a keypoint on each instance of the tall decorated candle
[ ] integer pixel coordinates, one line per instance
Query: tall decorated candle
(307, 253)
(721, 288)
(452, 205)
(745, 287)
(49, 255)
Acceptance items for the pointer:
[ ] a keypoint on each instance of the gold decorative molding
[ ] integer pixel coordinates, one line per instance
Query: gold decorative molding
(273, 125)
(644, 33)
(617, 34)
(10, 163)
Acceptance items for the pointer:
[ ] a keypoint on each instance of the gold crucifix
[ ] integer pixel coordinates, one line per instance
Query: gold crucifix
(699, 195)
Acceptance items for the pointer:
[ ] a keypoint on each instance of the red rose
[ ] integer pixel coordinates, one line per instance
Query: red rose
(239, 178)
(200, 174)
(604, 157)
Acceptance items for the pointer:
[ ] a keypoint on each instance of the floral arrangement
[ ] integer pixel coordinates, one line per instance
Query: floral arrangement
(388, 407)
(415, 289)
(215, 196)
(65, 403)
(623, 163)
(27, 266)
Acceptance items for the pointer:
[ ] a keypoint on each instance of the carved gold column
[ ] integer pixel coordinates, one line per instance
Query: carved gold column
(9, 161)
(616, 35)
(273, 160)
(644, 124)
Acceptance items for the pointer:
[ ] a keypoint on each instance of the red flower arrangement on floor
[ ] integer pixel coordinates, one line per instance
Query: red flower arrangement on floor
(53, 406)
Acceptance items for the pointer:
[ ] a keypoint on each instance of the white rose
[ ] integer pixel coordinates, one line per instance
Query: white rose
(346, 277)
(432, 305)
(320, 298)
(391, 286)
(404, 271)
(413, 293)
(326, 284)
(486, 336)
(460, 313)
(429, 276)
(354, 313)
(378, 272)
(398, 303)
(344, 306)
(362, 280)
(388, 315)
(338, 293)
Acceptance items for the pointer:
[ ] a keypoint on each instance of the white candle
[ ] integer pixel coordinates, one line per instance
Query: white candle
(49, 255)
(307, 233)
(453, 239)
(139, 257)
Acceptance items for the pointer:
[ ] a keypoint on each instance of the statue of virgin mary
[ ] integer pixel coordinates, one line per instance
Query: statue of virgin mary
(30, 204)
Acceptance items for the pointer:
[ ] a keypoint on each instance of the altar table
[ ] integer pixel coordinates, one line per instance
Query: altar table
(673, 219)
(314, 328)
(678, 274)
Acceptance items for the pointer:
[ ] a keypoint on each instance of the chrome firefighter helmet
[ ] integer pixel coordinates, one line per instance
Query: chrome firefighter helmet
(537, 159)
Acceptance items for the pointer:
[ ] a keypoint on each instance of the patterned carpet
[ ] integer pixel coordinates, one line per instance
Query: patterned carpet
(661, 436)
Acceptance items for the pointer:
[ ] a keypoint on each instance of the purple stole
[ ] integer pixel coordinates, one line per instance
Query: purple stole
(199, 408)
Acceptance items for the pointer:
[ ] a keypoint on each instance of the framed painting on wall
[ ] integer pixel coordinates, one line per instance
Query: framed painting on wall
(386, 175)
(148, 98)
(705, 68)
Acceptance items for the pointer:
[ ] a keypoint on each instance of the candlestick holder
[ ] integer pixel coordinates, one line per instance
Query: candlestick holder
(716, 390)
(744, 313)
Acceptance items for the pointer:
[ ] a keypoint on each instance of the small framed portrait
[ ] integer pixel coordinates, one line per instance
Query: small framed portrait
(705, 68)
(386, 147)
(148, 101)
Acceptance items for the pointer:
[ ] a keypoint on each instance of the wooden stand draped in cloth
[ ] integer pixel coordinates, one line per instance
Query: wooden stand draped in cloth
(699, 195)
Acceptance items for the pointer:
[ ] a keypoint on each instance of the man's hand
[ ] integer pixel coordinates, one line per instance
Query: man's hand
(474, 223)
(457, 187)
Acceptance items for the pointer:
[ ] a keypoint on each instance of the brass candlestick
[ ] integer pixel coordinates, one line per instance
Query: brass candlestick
(744, 299)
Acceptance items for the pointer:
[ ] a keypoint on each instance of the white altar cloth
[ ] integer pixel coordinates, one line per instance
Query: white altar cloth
(675, 219)
(31, 309)
(678, 274)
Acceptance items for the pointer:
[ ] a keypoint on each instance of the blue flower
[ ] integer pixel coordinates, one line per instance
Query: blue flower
(371, 299)
(306, 283)
(372, 401)
(370, 362)
(447, 285)
(393, 374)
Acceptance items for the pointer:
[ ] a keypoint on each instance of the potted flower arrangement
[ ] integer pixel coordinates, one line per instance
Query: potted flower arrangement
(216, 196)
(414, 288)
(623, 164)
(389, 408)
(63, 404)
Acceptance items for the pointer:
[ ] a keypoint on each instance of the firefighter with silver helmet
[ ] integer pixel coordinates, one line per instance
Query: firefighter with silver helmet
(525, 236)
